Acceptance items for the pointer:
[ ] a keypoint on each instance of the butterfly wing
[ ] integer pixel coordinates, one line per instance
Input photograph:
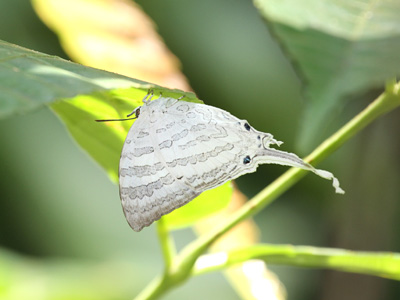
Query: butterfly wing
(177, 149)
(147, 188)
(200, 145)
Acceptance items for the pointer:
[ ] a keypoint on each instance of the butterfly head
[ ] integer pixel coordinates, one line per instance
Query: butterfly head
(255, 146)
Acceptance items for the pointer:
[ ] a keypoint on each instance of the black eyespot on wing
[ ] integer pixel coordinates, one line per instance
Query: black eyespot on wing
(247, 126)
(247, 160)
(259, 137)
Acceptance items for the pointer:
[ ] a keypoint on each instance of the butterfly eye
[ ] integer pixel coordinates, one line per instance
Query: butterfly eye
(247, 160)
(137, 113)
(247, 126)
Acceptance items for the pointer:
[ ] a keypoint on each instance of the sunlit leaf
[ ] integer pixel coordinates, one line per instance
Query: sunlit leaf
(112, 35)
(29, 79)
(206, 204)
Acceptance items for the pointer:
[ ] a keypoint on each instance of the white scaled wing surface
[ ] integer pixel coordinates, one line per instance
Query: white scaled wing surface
(176, 150)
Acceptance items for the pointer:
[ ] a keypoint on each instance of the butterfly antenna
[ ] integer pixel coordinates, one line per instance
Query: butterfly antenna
(111, 120)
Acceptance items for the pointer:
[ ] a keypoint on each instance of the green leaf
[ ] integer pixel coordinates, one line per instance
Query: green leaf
(382, 264)
(30, 79)
(339, 48)
(208, 202)
(80, 95)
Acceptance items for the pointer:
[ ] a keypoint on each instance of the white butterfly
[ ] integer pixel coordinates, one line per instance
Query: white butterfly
(176, 150)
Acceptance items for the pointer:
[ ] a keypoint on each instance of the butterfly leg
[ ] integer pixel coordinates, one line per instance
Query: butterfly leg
(148, 97)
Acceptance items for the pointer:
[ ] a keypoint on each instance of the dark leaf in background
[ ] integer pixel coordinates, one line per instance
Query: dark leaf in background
(339, 48)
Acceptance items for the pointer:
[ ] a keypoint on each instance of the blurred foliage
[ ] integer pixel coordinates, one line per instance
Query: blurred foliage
(112, 35)
(228, 57)
(28, 278)
(339, 48)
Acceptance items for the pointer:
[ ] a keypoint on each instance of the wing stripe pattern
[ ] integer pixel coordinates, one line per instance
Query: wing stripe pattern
(175, 150)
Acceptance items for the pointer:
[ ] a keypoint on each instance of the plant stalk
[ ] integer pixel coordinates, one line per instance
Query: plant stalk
(179, 268)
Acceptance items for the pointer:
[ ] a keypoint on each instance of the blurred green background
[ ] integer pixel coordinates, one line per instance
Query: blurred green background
(60, 212)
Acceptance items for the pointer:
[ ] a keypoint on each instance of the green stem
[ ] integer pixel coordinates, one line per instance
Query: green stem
(167, 244)
(386, 102)
(383, 264)
(162, 283)
(182, 265)
(155, 289)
